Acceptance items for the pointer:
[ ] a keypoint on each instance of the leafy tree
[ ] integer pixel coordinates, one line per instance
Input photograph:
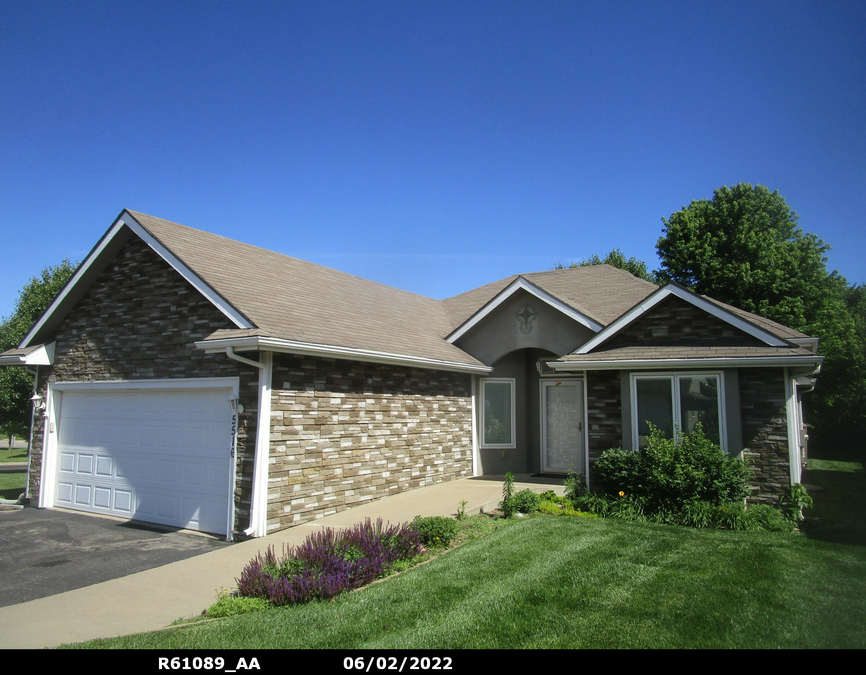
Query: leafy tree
(16, 384)
(744, 247)
(617, 258)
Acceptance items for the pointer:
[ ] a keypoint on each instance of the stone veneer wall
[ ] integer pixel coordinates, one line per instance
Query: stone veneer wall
(765, 432)
(138, 321)
(676, 322)
(344, 432)
(604, 413)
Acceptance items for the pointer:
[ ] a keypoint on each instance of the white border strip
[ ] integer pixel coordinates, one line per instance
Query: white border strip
(739, 362)
(215, 298)
(506, 293)
(53, 416)
(125, 218)
(691, 298)
(313, 349)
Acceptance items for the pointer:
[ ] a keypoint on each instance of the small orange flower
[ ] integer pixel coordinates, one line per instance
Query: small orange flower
(621, 493)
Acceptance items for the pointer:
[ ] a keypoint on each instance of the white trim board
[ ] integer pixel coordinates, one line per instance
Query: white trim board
(522, 284)
(693, 299)
(721, 362)
(125, 219)
(218, 346)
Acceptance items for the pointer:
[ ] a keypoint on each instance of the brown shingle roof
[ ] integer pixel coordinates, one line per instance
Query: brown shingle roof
(291, 299)
(294, 299)
(601, 292)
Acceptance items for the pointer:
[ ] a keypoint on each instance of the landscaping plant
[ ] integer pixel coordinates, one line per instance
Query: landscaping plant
(435, 531)
(329, 562)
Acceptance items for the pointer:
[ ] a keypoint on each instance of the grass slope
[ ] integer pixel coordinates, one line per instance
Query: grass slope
(548, 582)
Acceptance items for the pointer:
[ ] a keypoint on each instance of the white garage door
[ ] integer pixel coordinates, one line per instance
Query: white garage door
(157, 455)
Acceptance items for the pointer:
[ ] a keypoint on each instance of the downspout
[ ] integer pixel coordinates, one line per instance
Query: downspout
(259, 499)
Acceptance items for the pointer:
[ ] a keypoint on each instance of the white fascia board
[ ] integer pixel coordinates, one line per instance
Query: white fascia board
(522, 284)
(349, 353)
(43, 355)
(126, 219)
(215, 298)
(691, 298)
(179, 383)
(661, 364)
(67, 289)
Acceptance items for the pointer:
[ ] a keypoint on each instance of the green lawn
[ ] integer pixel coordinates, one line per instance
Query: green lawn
(8, 454)
(839, 491)
(12, 484)
(557, 582)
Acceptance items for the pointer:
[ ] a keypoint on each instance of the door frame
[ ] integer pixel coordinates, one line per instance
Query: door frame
(584, 432)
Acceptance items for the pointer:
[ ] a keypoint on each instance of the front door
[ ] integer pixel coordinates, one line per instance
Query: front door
(562, 426)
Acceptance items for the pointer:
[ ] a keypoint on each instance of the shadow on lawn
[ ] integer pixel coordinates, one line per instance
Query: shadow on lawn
(835, 477)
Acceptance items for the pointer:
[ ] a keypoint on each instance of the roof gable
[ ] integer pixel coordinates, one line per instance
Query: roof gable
(521, 283)
(735, 320)
(106, 248)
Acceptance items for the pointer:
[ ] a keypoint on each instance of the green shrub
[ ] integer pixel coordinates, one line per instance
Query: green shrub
(794, 502)
(765, 517)
(526, 501)
(669, 473)
(436, 531)
(230, 605)
(575, 486)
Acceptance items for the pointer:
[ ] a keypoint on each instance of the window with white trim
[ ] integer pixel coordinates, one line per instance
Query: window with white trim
(678, 401)
(497, 413)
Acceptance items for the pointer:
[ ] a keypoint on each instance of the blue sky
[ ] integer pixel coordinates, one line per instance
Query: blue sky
(432, 146)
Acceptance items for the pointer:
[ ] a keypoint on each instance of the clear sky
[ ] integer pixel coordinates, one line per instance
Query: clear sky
(433, 146)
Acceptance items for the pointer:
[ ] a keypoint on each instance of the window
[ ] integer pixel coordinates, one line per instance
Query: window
(497, 413)
(678, 402)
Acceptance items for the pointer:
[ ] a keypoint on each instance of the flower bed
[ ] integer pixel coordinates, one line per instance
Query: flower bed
(329, 562)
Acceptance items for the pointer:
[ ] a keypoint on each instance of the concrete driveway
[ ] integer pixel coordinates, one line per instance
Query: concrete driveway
(45, 552)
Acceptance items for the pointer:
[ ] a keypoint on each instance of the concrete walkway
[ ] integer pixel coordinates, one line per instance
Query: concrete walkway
(155, 598)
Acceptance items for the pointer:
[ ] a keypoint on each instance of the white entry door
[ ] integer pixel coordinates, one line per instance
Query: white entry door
(158, 455)
(562, 426)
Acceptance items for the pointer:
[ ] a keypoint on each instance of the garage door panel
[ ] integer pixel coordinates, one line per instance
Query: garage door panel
(153, 455)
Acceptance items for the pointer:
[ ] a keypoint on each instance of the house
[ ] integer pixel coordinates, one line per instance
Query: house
(187, 379)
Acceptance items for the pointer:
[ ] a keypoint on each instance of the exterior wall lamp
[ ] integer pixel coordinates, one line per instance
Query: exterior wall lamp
(38, 402)
(235, 405)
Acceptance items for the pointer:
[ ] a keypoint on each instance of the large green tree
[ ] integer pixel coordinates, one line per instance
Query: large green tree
(744, 247)
(16, 384)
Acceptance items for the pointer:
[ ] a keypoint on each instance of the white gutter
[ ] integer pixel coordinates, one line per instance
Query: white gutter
(269, 344)
(43, 355)
(259, 499)
(644, 364)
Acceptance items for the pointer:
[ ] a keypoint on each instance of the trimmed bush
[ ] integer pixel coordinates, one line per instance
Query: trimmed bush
(435, 531)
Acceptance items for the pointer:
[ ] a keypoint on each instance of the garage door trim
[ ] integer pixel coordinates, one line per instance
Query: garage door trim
(53, 413)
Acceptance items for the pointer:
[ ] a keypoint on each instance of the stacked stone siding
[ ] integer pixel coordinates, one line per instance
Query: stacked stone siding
(343, 433)
(138, 321)
(676, 322)
(604, 413)
(765, 432)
